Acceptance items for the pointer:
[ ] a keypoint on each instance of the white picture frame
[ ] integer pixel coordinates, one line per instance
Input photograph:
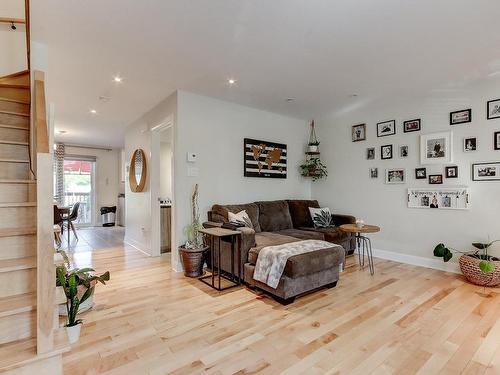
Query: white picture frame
(447, 198)
(436, 148)
(395, 176)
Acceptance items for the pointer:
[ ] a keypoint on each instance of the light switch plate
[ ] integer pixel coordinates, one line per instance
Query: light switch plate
(191, 157)
(192, 171)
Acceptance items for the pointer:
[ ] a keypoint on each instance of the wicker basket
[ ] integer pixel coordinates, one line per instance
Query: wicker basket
(470, 268)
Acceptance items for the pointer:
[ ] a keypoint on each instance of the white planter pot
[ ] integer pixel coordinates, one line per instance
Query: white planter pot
(87, 305)
(74, 333)
(312, 148)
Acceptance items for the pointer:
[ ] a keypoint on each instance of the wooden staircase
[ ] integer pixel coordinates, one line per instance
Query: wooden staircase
(30, 339)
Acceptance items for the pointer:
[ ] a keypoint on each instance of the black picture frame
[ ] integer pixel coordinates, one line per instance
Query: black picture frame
(439, 180)
(488, 175)
(423, 176)
(382, 156)
(450, 174)
(410, 122)
(370, 153)
(255, 164)
(489, 111)
(363, 131)
(463, 111)
(496, 141)
(380, 133)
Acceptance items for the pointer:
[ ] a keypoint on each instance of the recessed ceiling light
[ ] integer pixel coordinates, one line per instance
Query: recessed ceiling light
(93, 111)
(353, 95)
(231, 81)
(117, 79)
(62, 131)
(288, 100)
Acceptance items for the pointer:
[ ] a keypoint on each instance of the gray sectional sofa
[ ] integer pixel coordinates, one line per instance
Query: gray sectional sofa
(280, 222)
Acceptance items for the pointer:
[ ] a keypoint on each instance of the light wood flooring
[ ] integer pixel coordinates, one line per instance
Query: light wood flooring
(403, 320)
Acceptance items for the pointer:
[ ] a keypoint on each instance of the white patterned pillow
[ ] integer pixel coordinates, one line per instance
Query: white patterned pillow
(321, 217)
(240, 218)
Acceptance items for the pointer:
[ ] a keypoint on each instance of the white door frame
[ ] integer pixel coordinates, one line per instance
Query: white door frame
(154, 180)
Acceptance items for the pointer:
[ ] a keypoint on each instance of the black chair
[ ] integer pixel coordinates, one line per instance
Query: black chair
(73, 215)
(58, 220)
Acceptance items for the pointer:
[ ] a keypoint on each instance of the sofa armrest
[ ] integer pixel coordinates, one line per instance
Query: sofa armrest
(211, 224)
(247, 242)
(343, 219)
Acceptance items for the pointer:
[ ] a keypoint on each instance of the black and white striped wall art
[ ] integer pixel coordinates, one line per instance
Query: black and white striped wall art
(264, 159)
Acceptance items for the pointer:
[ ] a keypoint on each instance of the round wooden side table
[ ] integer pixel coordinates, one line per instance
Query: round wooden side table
(363, 243)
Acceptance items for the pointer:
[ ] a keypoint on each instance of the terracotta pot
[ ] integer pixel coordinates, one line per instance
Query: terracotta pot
(469, 266)
(192, 261)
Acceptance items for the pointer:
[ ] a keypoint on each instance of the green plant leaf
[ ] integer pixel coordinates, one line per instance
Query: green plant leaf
(87, 294)
(440, 250)
(481, 246)
(447, 255)
(486, 266)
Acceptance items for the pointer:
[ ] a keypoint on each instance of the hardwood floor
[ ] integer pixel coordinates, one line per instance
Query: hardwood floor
(403, 320)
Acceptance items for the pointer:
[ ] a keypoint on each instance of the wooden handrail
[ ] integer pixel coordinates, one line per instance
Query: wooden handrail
(40, 114)
(27, 18)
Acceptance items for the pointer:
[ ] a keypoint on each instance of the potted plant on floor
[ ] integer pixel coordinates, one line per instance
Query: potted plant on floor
(192, 252)
(477, 266)
(72, 281)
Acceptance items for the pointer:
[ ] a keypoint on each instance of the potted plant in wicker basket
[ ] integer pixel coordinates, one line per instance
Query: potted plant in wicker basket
(192, 252)
(477, 266)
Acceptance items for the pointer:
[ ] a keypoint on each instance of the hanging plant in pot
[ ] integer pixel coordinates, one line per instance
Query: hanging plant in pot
(69, 280)
(313, 145)
(313, 167)
(192, 252)
(477, 266)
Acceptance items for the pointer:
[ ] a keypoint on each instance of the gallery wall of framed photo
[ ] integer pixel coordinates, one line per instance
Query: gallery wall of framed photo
(457, 132)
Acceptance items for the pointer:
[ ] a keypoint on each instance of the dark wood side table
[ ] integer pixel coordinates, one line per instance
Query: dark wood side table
(363, 243)
(216, 235)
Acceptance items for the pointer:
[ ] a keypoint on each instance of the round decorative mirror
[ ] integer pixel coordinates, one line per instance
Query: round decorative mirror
(138, 171)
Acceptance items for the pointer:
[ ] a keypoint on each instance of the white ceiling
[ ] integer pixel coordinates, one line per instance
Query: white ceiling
(316, 51)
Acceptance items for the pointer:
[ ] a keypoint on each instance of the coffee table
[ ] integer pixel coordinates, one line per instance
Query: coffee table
(362, 242)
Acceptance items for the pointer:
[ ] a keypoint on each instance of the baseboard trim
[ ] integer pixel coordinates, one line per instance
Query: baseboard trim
(136, 245)
(416, 260)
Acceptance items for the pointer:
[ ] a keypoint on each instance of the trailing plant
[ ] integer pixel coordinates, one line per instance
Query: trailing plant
(70, 280)
(313, 143)
(313, 167)
(485, 265)
(192, 231)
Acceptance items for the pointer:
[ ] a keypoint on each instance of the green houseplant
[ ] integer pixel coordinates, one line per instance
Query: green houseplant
(313, 167)
(74, 282)
(477, 266)
(193, 250)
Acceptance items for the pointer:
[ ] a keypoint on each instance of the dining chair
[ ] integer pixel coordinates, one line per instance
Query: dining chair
(58, 222)
(73, 215)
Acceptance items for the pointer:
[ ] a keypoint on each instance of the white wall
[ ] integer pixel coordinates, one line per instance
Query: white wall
(106, 176)
(214, 130)
(405, 231)
(166, 164)
(140, 206)
(12, 43)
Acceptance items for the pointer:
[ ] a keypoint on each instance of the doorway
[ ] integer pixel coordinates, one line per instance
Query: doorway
(79, 182)
(162, 191)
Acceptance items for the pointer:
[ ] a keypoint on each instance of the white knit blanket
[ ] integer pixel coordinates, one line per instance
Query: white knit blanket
(271, 260)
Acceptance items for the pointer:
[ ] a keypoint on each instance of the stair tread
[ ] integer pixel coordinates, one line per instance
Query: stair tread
(17, 127)
(14, 143)
(7, 181)
(9, 265)
(14, 100)
(15, 113)
(14, 86)
(17, 204)
(13, 161)
(17, 304)
(22, 352)
(11, 232)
